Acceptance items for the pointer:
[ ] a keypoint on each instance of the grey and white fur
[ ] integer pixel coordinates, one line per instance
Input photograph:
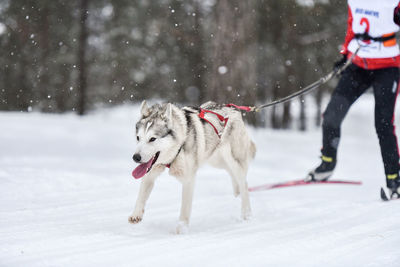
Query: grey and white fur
(177, 137)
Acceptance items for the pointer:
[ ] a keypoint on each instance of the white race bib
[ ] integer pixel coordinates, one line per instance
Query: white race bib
(374, 17)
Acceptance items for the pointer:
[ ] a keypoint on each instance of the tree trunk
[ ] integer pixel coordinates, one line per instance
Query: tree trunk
(82, 79)
(234, 50)
(303, 124)
(318, 114)
(198, 59)
(44, 81)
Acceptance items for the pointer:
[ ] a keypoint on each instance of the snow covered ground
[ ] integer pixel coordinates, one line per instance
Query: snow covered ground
(66, 192)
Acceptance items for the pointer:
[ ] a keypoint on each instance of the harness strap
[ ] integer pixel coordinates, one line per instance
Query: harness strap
(219, 116)
(366, 37)
(245, 108)
(169, 165)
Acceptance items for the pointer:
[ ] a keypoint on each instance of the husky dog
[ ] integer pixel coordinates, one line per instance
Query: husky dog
(168, 136)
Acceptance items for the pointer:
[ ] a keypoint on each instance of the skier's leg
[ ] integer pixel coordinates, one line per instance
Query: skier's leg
(352, 84)
(386, 87)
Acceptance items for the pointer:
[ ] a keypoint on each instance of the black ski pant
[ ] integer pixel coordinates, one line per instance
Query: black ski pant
(352, 84)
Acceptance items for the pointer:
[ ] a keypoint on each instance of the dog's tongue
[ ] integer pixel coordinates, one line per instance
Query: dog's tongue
(141, 170)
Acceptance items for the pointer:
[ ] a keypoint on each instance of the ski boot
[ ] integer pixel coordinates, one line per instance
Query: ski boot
(323, 171)
(393, 184)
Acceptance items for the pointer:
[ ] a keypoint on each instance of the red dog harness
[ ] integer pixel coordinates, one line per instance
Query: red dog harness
(219, 116)
(202, 114)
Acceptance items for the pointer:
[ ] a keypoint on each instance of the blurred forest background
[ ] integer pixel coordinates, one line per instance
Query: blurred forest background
(59, 55)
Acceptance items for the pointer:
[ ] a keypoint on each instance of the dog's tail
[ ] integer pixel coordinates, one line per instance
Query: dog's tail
(252, 149)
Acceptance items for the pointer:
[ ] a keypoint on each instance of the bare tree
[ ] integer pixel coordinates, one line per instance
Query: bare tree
(233, 77)
(82, 80)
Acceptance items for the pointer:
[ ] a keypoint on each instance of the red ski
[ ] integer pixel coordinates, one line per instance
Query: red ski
(299, 183)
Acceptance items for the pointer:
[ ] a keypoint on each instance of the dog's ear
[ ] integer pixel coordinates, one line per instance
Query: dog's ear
(144, 109)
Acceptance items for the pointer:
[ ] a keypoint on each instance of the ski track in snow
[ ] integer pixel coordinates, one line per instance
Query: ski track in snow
(66, 193)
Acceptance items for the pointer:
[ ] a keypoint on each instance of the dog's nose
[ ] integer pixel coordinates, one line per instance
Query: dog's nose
(137, 158)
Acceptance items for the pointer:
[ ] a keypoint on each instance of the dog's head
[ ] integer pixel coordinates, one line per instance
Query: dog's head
(154, 136)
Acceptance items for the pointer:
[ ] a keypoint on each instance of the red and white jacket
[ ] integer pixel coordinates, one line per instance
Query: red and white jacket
(377, 18)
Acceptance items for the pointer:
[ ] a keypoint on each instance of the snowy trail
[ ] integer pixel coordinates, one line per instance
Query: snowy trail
(66, 194)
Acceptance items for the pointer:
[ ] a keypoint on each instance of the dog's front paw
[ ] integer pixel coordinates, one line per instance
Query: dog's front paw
(135, 219)
(182, 228)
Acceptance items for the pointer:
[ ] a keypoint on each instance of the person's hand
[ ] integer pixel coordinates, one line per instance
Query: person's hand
(338, 64)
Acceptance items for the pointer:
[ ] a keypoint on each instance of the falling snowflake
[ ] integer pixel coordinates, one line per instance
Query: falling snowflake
(222, 69)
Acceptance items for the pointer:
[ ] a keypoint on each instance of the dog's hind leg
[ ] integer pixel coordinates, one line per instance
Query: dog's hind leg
(144, 192)
(238, 172)
(218, 161)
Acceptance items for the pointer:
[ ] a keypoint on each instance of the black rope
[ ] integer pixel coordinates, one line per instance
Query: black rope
(310, 87)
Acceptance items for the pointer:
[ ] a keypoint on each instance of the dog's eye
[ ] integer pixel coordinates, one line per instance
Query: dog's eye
(137, 138)
(152, 139)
